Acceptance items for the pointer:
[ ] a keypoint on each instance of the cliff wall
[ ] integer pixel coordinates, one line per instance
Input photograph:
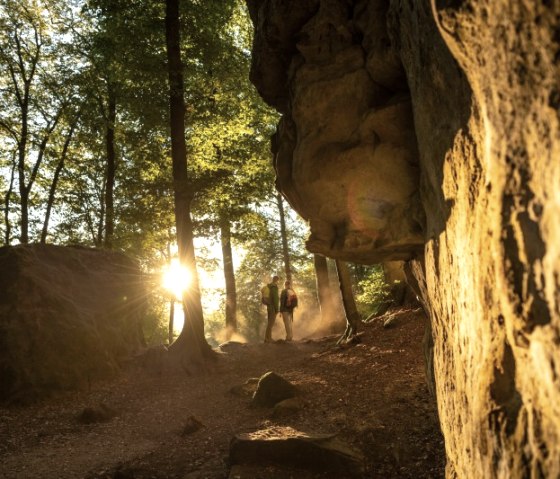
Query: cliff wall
(429, 132)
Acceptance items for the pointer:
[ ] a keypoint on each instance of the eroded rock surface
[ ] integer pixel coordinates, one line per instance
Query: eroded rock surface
(67, 316)
(346, 155)
(454, 105)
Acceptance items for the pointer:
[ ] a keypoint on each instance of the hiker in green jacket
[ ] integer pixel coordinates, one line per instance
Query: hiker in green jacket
(272, 307)
(288, 301)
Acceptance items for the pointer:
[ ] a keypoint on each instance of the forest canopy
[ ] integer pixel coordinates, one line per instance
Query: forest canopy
(85, 148)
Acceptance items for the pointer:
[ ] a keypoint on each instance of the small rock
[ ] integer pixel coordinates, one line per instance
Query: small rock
(272, 389)
(287, 407)
(192, 425)
(95, 414)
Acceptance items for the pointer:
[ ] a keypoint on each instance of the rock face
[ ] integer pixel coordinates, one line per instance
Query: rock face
(430, 132)
(67, 315)
(346, 156)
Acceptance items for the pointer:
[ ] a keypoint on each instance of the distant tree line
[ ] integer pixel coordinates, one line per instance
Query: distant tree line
(86, 144)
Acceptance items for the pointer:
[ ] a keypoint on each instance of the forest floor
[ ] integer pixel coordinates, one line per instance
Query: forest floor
(373, 395)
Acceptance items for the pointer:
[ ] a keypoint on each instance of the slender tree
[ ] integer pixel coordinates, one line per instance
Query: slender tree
(229, 277)
(56, 177)
(111, 168)
(190, 347)
(7, 201)
(325, 294)
(284, 237)
(33, 94)
(352, 315)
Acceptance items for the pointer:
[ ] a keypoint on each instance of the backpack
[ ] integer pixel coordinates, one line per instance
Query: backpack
(265, 295)
(291, 299)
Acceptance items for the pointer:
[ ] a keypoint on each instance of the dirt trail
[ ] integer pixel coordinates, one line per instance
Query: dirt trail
(372, 394)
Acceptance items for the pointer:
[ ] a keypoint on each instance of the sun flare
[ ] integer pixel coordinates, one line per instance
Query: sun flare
(176, 279)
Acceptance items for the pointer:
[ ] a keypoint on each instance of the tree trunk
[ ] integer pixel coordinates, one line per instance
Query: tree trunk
(352, 316)
(98, 238)
(25, 189)
(22, 148)
(7, 199)
(171, 331)
(111, 168)
(54, 184)
(22, 87)
(229, 276)
(284, 236)
(325, 294)
(394, 275)
(190, 347)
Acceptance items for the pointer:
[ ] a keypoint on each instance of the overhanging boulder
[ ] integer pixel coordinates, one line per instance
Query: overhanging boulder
(428, 131)
(67, 316)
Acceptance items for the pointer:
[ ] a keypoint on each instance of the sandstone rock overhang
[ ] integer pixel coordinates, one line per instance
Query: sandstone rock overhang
(483, 81)
(345, 149)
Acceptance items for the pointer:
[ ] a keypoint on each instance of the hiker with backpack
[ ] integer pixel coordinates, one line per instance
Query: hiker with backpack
(270, 297)
(288, 301)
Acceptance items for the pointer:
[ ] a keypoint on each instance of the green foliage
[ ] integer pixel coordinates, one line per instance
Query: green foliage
(155, 324)
(372, 290)
(94, 48)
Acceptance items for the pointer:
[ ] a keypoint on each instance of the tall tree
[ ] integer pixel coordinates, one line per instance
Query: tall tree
(325, 294)
(228, 142)
(107, 50)
(284, 237)
(33, 94)
(56, 177)
(229, 277)
(111, 120)
(7, 200)
(352, 315)
(190, 347)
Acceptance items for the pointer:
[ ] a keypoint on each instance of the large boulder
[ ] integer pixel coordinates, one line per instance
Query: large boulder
(284, 445)
(67, 316)
(429, 131)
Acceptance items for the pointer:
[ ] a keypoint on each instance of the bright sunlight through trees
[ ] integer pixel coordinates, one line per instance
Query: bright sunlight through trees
(176, 279)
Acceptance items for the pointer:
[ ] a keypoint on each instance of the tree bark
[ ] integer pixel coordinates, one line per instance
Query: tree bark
(98, 237)
(229, 276)
(395, 277)
(26, 188)
(171, 331)
(22, 149)
(190, 347)
(54, 184)
(284, 236)
(325, 295)
(352, 315)
(7, 198)
(21, 74)
(111, 167)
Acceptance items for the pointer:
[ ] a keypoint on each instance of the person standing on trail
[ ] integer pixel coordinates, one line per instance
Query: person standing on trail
(272, 306)
(288, 301)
